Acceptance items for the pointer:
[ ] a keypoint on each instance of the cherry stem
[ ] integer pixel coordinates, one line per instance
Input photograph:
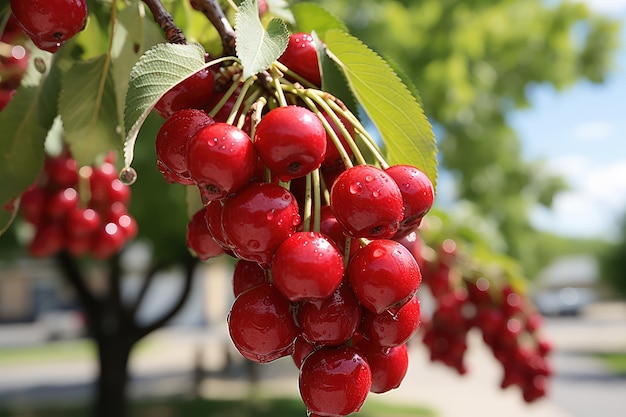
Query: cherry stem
(280, 66)
(212, 10)
(331, 133)
(359, 129)
(224, 98)
(307, 204)
(317, 200)
(166, 21)
(240, 97)
(280, 95)
(325, 190)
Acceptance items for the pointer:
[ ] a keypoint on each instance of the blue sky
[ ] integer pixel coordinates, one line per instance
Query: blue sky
(581, 134)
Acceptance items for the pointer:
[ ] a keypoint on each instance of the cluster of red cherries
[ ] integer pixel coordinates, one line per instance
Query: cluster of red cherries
(508, 322)
(80, 210)
(322, 274)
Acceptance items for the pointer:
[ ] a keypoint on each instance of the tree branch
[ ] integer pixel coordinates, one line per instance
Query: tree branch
(91, 303)
(166, 21)
(190, 264)
(215, 14)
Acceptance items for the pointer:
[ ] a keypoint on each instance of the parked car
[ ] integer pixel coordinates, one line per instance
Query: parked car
(567, 301)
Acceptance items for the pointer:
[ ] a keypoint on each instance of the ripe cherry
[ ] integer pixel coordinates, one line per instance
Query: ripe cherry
(417, 195)
(307, 266)
(257, 219)
(172, 142)
(333, 321)
(247, 274)
(213, 219)
(301, 349)
(334, 381)
(301, 57)
(392, 328)
(192, 93)
(388, 365)
(221, 159)
(291, 141)
(107, 241)
(200, 240)
(366, 202)
(50, 23)
(383, 275)
(261, 325)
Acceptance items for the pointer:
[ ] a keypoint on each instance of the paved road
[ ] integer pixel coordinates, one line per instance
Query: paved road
(582, 387)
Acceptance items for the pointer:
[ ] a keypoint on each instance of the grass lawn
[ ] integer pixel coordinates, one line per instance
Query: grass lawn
(279, 407)
(616, 361)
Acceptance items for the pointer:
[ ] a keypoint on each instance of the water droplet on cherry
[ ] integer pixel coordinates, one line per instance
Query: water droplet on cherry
(355, 188)
(254, 244)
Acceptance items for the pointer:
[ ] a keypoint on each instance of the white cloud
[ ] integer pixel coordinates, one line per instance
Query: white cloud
(594, 205)
(594, 131)
(606, 6)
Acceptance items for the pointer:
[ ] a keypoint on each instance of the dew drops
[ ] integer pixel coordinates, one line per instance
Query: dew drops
(369, 178)
(212, 142)
(128, 175)
(376, 193)
(40, 65)
(355, 188)
(254, 244)
(270, 215)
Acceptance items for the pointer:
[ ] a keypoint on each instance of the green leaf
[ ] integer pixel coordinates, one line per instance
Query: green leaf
(406, 132)
(333, 79)
(256, 47)
(311, 17)
(89, 111)
(22, 137)
(157, 71)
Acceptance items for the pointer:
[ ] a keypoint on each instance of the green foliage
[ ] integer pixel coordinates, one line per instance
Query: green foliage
(158, 70)
(390, 106)
(613, 264)
(473, 63)
(258, 47)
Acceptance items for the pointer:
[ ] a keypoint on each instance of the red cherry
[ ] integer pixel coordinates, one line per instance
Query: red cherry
(333, 321)
(82, 222)
(388, 365)
(301, 57)
(383, 275)
(61, 171)
(291, 141)
(392, 328)
(257, 219)
(307, 266)
(221, 159)
(366, 202)
(172, 142)
(61, 202)
(49, 239)
(302, 348)
(192, 93)
(50, 23)
(32, 204)
(100, 180)
(334, 381)
(200, 240)
(261, 325)
(247, 274)
(213, 219)
(417, 195)
(107, 241)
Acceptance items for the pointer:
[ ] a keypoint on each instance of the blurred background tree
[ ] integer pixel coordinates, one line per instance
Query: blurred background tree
(473, 62)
